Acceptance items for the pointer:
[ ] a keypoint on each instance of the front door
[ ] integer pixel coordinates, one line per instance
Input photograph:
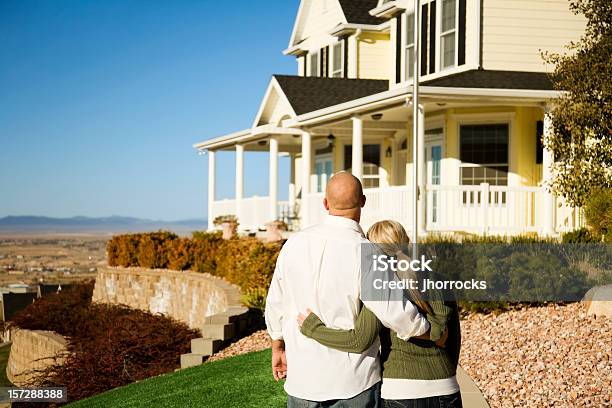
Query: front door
(434, 177)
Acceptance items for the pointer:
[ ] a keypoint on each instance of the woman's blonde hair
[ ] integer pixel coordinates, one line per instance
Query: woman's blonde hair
(392, 238)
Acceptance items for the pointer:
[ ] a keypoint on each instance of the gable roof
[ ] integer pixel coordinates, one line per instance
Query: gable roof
(308, 94)
(349, 12)
(479, 78)
(358, 11)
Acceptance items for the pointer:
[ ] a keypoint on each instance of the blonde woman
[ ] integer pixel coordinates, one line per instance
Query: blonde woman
(417, 373)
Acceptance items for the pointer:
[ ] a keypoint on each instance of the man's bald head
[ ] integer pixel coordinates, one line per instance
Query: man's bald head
(344, 193)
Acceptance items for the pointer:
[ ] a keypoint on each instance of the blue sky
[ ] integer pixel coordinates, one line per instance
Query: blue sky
(101, 101)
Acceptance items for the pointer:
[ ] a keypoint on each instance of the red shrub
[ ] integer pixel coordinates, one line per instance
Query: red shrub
(109, 345)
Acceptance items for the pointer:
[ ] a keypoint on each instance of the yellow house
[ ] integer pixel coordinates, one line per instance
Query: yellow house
(483, 109)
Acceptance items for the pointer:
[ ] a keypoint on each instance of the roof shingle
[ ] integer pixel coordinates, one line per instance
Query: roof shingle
(308, 94)
(495, 79)
(358, 11)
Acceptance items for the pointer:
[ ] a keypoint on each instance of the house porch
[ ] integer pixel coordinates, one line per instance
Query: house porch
(482, 164)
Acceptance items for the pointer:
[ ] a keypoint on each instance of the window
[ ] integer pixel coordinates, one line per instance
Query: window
(323, 169)
(313, 64)
(448, 33)
(484, 154)
(409, 49)
(337, 68)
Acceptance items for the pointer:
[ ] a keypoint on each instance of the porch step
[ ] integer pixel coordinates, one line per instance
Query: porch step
(206, 347)
(231, 315)
(218, 331)
(192, 360)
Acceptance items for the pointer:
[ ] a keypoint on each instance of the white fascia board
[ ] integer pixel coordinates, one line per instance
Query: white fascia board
(298, 18)
(221, 140)
(344, 29)
(274, 85)
(396, 94)
(295, 50)
(490, 92)
(273, 130)
(387, 10)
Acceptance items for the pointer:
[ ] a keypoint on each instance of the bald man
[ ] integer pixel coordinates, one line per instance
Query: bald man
(320, 268)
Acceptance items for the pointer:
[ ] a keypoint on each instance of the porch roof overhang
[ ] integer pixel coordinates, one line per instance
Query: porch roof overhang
(403, 95)
(434, 91)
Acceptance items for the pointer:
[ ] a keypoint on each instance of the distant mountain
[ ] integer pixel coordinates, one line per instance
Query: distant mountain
(90, 224)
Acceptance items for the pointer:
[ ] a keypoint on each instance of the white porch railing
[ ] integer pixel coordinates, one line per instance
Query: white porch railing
(254, 212)
(484, 209)
(507, 211)
(567, 218)
(381, 204)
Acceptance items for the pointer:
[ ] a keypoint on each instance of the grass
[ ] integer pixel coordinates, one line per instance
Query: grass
(4, 355)
(243, 381)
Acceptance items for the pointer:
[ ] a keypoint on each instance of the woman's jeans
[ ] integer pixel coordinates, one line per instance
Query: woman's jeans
(442, 401)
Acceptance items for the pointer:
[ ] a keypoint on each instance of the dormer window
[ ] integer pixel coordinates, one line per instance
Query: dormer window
(314, 67)
(337, 68)
(448, 34)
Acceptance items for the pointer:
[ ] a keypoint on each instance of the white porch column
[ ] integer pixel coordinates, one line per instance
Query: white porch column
(548, 226)
(239, 180)
(421, 173)
(291, 181)
(211, 188)
(357, 163)
(273, 179)
(306, 170)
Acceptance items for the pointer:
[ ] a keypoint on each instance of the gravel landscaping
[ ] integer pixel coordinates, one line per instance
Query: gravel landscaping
(540, 357)
(537, 357)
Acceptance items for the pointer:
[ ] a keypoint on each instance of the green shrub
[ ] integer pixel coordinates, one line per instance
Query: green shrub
(579, 236)
(598, 212)
(255, 298)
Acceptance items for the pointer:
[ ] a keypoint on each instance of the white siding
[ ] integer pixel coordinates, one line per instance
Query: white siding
(516, 31)
(319, 18)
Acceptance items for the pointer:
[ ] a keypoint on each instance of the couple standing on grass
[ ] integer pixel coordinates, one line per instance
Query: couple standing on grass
(332, 356)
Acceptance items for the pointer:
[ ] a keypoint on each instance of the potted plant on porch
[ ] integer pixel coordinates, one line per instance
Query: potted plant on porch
(228, 224)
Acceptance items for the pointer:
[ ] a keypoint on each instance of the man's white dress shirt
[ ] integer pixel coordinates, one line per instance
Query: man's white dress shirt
(319, 268)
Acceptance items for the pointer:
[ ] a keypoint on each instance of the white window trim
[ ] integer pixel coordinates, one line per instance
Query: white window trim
(340, 70)
(323, 158)
(439, 71)
(439, 35)
(405, 46)
(316, 73)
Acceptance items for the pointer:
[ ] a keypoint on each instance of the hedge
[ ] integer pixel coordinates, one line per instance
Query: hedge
(249, 263)
(246, 262)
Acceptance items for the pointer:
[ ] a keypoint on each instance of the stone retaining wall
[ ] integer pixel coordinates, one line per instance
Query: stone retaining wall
(32, 351)
(189, 297)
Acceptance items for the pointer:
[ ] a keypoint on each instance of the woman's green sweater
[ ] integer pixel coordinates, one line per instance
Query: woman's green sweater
(413, 359)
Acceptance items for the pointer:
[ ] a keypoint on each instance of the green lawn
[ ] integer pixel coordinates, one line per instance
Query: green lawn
(243, 381)
(4, 355)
